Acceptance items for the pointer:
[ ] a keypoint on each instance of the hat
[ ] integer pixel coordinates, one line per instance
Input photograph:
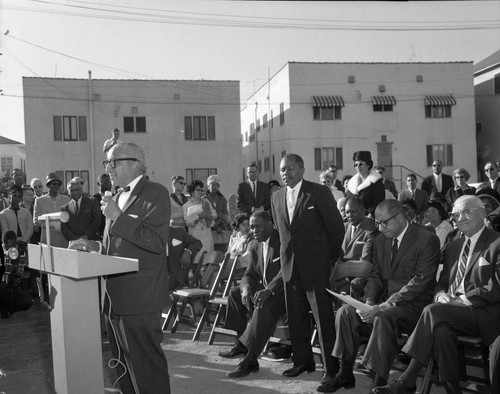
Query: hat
(489, 193)
(439, 206)
(272, 183)
(52, 177)
(363, 155)
(213, 179)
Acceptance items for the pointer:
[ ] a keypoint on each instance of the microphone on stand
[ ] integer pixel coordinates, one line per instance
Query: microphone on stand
(62, 216)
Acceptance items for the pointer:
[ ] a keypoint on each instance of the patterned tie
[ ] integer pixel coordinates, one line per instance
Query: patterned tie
(461, 268)
(394, 250)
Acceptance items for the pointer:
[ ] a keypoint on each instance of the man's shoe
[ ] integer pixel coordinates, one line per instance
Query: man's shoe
(243, 370)
(395, 387)
(296, 370)
(336, 383)
(235, 351)
(327, 377)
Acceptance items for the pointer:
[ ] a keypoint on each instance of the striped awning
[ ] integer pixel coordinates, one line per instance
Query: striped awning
(384, 100)
(444, 99)
(328, 101)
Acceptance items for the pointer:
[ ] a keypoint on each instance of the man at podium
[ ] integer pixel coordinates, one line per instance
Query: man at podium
(137, 226)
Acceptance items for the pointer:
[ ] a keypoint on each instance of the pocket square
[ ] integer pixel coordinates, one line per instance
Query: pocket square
(133, 216)
(176, 242)
(360, 242)
(311, 207)
(483, 262)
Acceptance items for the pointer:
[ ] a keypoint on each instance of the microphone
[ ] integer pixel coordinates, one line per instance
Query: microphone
(62, 216)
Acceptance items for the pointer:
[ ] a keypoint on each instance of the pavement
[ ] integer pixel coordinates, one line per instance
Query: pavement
(194, 367)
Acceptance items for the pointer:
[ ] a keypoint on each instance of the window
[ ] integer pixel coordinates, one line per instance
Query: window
(496, 84)
(259, 165)
(134, 124)
(283, 153)
(258, 125)
(266, 164)
(282, 113)
(327, 113)
(264, 121)
(70, 174)
(70, 128)
(323, 157)
(443, 152)
(438, 111)
(252, 133)
(7, 164)
(271, 121)
(246, 136)
(382, 107)
(274, 166)
(199, 173)
(199, 128)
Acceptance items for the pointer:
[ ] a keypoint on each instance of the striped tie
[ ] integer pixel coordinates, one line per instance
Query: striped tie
(461, 268)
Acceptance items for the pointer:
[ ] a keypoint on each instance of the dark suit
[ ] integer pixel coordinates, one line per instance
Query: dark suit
(487, 184)
(429, 184)
(439, 323)
(310, 243)
(408, 282)
(263, 322)
(420, 199)
(245, 199)
(177, 276)
(84, 222)
(389, 185)
(135, 300)
(100, 232)
(454, 193)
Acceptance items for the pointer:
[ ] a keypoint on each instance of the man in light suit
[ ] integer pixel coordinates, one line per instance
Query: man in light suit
(137, 226)
(400, 285)
(84, 214)
(252, 194)
(311, 233)
(413, 193)
(260, 291)
(182, 247)
(467, 301)
(437, 182)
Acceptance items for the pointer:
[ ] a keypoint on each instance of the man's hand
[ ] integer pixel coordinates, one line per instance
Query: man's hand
(444, 298)
(185, 259)
(246, 297)
(367, 317)
(260, 297)
(110, 208)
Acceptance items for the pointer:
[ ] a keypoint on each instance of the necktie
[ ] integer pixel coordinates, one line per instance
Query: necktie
(413, 194)
(461, 268)
(292, 199)
(438, 183)
(264, 257)
(76, 207)
(394, 250)
(254, 191)
(19, 232)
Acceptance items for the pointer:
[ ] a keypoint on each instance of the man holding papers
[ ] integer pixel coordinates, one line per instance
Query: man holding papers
(400, 285)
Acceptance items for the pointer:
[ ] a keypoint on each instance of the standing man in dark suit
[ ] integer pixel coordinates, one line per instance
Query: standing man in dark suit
(388, 184)
(467, 301)
(104, 184)
(137, 226)
(437, 182)
(414, 193)
(252, 194)
(182, 247)
(260, 291)
(311, 233)
(84, 214)
(491, 171)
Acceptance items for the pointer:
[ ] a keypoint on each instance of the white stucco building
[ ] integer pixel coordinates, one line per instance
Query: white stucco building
(406, 114)
(189, 128)
(12, 155)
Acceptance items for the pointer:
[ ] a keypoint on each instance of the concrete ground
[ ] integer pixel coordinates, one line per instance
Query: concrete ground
(195, 367)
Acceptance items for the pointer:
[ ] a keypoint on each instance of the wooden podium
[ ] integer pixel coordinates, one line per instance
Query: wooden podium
(75, 317)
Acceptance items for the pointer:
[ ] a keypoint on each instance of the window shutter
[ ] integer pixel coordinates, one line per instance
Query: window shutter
(82, 128)
(317, 159)
(57, 128)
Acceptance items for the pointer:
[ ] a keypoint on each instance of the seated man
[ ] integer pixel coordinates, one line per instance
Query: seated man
(467, 302)
(182, 247)
(261, 290)
(400, 285)
(357, 247)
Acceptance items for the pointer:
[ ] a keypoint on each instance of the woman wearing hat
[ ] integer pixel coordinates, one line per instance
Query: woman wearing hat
(221, 229)
(436, 216)
(366, 184)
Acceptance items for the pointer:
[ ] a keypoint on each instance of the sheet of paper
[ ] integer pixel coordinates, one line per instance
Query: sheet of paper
(352, 301)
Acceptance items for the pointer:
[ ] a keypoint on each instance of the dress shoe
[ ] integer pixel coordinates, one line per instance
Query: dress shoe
(296, 370)
(235, 351)
(395, 387)
(327, 377)
(338, 382)
(243, 370)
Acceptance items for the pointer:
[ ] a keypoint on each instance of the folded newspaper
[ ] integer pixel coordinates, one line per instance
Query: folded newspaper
(361, 306)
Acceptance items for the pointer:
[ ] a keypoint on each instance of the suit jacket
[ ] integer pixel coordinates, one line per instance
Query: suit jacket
(359, 246)
(8, 221)
(254, 274)
(488, 185)
(429, 185)
(481, 280)
(183, 241)
(390, 185)
(245, 199)
(411, 277)
(84, 222)
(312, 240)
(420, 199)
(140, 232)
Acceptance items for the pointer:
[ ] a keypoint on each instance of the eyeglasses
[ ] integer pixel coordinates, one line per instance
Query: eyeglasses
(356, 165)
(386, 221)
(466, 212)
(460, 177)
(112, 162)
(181, 183)
(198, 190)
(489, 169)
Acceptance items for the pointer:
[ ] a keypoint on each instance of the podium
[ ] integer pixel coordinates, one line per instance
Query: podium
(75, 317)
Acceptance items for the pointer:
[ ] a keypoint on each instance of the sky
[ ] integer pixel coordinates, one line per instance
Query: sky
(225, 40)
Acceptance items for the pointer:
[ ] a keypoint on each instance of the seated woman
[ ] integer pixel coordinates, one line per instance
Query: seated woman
(326, 178)
(436, 216)
(460, 176)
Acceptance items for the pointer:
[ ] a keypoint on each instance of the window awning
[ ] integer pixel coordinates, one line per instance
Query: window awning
(384, 100)
(328, 101)
(440, 100)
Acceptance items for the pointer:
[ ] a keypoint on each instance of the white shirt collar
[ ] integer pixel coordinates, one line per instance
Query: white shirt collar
(133, 184)
(400, 236)
(296, 187)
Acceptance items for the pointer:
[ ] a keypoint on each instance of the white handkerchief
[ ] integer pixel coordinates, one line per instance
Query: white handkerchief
(483, 262)
(176, 242)
(133, 216)
(360, 242)
(311, 207)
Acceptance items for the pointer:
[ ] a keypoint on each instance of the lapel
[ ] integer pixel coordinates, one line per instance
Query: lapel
(481, 245)
(456, 259)
(135, 193)
(347, 237)
(282, 198)
(406, 244)
(250, 192)
(300, 201)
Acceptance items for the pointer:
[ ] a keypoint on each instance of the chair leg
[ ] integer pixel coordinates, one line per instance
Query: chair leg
(220, 309)
(203, 318)
(179, 316)
(425, 388)
(168, 316)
